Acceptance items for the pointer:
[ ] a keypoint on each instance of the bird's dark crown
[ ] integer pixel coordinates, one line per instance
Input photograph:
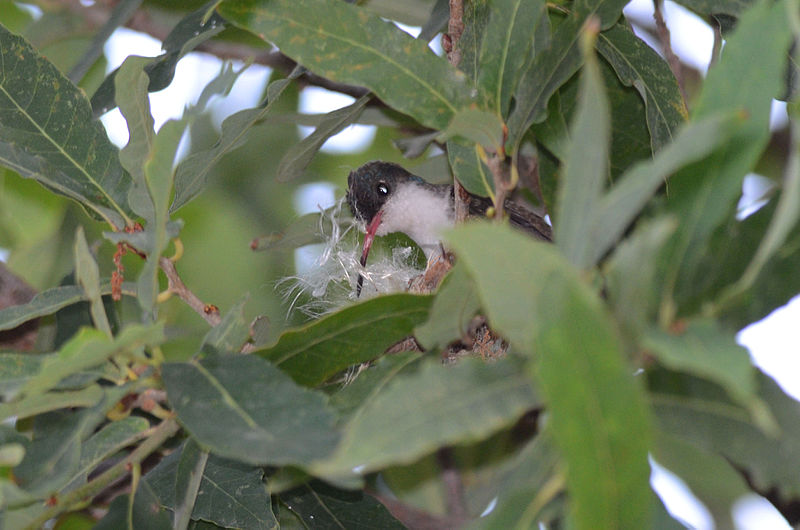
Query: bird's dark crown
(371, 185)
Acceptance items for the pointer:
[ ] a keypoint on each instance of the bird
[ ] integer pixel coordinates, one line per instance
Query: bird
(387, 198)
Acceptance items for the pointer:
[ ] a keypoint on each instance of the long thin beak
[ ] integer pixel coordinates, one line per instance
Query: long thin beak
(369, 237)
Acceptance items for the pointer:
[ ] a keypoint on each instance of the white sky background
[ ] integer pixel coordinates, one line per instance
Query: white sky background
(771, 342)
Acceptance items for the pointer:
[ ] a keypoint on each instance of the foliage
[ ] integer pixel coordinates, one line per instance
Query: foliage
(620, 335)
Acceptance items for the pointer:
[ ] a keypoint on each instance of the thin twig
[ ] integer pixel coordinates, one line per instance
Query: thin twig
(453, 485)
(176, 286)
(455, 27)
(664, 37)
(159, 435)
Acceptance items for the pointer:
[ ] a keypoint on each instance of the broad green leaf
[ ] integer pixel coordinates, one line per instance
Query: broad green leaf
(705, 350)
(104, 444)
(437, 21)
(481, 127)
(476, 20)
(88, 275)
(141, 512)
(639, 66)
(540, 304)
(244, 408)
(230, 334)
(230, 494)
(468, 168)
(350, 45)
(356, 334)
(418, 412)
(191, 175)
(553, 66)
(507, 43)
(455, 304)
(323, 507)
(747, 77)
(190, 32)
(297, 158)
(719, 426)
(585, 168)
(619, 207)
(130, 87)
(47, 133)
(15, 370)
(89, 348)
(370, 382)
(711, 478)
(732, 8)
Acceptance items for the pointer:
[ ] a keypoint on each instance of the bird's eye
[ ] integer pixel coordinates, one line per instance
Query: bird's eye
(382, 189)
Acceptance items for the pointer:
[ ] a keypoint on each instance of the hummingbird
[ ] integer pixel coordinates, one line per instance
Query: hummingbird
(387, 198)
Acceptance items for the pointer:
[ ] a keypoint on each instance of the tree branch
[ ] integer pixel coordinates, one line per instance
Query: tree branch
(209, 312)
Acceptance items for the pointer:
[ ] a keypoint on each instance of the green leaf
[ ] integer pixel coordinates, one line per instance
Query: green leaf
(506, 44)
(48, 401)
(481, 127)
(191, 175)
(323, 507)
(455, 304)
(371, 382)
(130, 88)
(747, 77)
(705, 350)
(733, 8)
(711, 478)
(356, 334)
(468, 168)
(347, 44)
(418, 412)
(230, 494)
(539, 303)
(104, 444)
(89, 348)
(230, 334)
(88, 275)
(143, 511)
(48, 134)
(189, 475)
(15, 370)
(585, 168)
(476, 20)
(553, 66)
(297, 158)
(191, 31)
(244, 408)
(639, 66)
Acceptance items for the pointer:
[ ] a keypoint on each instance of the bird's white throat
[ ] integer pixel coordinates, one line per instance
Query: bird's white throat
(421, 213)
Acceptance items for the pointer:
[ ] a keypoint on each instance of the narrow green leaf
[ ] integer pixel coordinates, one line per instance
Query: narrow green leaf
(191, 31)
(230, 334)
(597, 413)
(45, 303)
(191, 175)
(350, 45)
(481, 127)
(639, 66)
(88, 275)
(42, 402)
(418, 412)
(585, 168)
(15, 370)
(359, 333)
(747, 77)
(553, 66)
(89, 348)
(711, 478)
(189, 475)
(130, 88)
(618, 208)
(506, 45)
(476, 20)
(324, 507)
(704, 350)
(244, 408)
(48, 134)
(732, 8)
(305, 230)
(297, 158)
(455, 304)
